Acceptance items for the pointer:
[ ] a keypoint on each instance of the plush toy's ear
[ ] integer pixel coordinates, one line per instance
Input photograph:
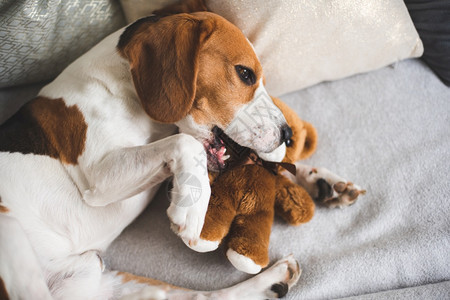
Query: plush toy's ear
(304, 136)
(310, 142)
(163, 56)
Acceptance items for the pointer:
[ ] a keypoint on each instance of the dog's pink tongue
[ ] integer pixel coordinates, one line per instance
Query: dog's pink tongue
(219, 153)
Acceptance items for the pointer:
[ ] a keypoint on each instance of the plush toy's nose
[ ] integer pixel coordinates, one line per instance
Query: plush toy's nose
(286, 133)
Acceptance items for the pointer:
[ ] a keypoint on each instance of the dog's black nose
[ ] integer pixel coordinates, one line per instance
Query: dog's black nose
(286, 133)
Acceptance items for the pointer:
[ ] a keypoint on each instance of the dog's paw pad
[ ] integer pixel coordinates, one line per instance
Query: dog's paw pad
(324, 190)
(280, 289)
(288, 270)
(328, 188)
(274, 282)
(340, 186)
(344, 194)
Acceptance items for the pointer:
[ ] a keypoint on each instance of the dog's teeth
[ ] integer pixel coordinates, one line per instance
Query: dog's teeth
(225, 157)
(222, 151)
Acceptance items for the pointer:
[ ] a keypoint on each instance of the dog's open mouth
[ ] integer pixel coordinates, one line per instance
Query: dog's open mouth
(220, 148)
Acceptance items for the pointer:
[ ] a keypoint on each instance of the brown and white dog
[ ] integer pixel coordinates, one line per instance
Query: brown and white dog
(82, 160)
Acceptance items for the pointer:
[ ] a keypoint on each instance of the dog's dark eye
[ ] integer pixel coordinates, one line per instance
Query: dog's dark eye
(246, 75)
(289, 143)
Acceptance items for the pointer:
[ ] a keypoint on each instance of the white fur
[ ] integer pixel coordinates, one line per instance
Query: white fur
(308, 176)
(243, 263)
(204, 245)
(62, 215)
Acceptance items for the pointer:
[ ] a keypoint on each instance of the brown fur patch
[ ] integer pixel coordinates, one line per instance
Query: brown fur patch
(3, 209)
(163, 57)
(126, 277)
(3, 293)
(46, 127)
(224, 49)
(185, 63)
(220, 92)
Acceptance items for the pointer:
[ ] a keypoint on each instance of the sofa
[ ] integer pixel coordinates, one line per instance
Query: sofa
(388, 130)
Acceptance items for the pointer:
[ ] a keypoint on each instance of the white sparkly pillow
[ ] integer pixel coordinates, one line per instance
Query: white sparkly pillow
(303, 42)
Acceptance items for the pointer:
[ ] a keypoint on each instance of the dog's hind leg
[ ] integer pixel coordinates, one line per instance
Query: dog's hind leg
(274, 282)
(325, 187)
(21, 276)
(77, 276)
(82, 278)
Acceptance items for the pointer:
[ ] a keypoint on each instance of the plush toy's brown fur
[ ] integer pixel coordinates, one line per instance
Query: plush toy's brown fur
(244, 199)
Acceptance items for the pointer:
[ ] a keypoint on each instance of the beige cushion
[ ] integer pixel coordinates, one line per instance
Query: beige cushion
(135, 9)
(302, 42)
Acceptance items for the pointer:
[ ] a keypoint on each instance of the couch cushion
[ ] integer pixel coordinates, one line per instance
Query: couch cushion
(301, 43)
(432, 20)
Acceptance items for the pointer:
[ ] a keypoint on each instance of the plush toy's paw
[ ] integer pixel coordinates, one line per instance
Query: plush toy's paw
(243, 263)
(328, 188)
(201, 245)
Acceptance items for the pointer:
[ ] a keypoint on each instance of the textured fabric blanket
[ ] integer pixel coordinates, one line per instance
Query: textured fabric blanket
(389, 132)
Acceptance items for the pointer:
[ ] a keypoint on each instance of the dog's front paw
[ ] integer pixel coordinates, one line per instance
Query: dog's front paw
(189, 202)
(328, 188)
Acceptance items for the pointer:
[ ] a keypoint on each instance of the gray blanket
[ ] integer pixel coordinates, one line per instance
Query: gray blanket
(389, 132)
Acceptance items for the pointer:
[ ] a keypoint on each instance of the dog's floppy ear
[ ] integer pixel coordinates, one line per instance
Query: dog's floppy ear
(163, 56)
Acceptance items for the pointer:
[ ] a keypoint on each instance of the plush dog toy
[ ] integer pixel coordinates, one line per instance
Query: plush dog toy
(246, 195)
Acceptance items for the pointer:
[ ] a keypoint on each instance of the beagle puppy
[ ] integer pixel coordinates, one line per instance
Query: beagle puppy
(84, 158)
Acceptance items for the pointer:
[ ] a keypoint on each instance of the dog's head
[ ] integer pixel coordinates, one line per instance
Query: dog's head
(199, 71)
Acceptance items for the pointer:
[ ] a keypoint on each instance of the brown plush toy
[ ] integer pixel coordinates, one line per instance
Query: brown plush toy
(246, 195)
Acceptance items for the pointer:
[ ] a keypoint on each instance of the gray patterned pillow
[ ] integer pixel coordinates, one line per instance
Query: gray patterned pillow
(39, 38)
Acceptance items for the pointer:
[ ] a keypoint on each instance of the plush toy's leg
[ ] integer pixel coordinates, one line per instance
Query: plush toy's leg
(248, 241)
(218, 219)
(292, 202)
(220, 214)
(326, 187)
